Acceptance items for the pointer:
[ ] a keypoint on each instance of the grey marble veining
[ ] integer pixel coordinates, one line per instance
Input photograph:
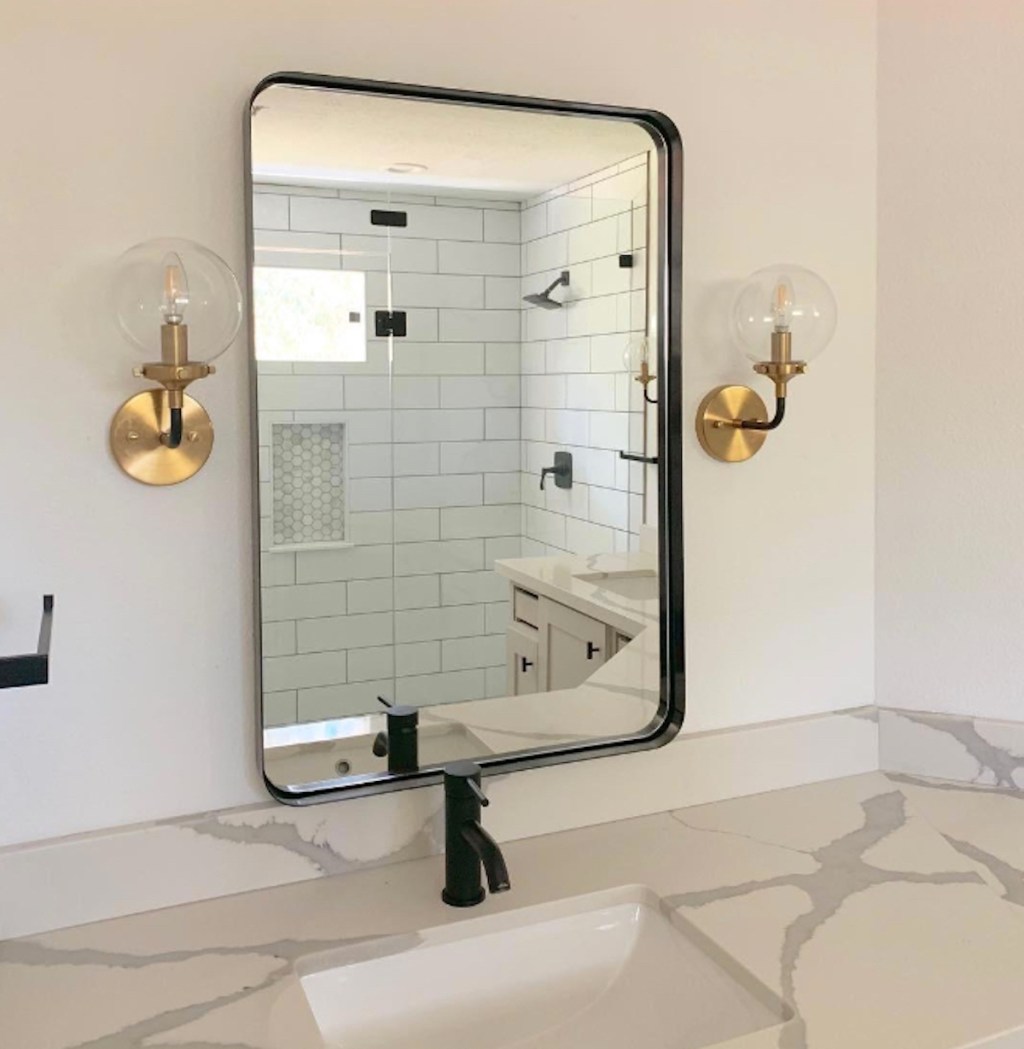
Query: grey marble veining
(840, 896)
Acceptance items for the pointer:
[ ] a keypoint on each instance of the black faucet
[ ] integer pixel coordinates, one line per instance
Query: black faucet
(561, 471)
(468, 847)
(401, 740)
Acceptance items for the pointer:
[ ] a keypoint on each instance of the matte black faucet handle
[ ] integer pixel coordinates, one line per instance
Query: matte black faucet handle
(462, 776)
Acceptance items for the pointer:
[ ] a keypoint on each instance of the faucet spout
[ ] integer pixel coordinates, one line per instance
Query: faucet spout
(490, 856)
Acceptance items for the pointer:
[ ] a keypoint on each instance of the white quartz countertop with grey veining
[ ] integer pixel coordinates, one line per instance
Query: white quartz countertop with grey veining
(884, 911)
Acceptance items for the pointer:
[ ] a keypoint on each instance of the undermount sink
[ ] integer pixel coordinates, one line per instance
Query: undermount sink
(640, 584)
(600, 971)
(322, 760)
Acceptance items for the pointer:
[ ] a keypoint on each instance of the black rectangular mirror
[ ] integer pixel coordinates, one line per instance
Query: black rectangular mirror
(465, 327)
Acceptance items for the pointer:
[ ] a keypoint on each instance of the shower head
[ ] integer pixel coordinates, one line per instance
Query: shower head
(543, 299)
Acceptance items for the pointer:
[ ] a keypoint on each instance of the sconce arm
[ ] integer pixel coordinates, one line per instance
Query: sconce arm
(772, 424)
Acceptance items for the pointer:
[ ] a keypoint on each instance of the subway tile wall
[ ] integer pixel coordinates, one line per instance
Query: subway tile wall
(411, 611)
(446, 441)
(576, 389)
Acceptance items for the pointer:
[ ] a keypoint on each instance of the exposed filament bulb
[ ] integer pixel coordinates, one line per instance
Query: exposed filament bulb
(175, 294)
(782, 304)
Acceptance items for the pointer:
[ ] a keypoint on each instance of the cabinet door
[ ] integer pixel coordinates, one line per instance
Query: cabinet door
(523, 655)
(572, 646)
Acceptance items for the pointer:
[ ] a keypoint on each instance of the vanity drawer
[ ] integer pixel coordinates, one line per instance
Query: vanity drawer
(526, 607)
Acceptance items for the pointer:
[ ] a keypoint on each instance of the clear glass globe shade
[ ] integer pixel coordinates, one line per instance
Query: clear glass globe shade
(784, 298)
(637, 352)
(177, 281)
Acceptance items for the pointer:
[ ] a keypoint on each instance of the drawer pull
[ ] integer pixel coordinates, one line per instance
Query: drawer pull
(525, 663)
(592, 649)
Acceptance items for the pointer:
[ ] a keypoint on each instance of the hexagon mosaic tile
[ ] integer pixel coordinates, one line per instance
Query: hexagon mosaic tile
(308, 483)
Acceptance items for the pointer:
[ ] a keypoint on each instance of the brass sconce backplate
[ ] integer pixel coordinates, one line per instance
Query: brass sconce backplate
(716, 416)
(136, 439)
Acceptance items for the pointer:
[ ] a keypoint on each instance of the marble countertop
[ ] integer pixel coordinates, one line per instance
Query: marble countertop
(884, 911)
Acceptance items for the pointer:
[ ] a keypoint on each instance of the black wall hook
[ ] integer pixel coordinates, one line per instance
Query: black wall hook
(33, 668)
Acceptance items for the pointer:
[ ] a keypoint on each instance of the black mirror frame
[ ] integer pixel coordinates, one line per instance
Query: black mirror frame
(672, 708)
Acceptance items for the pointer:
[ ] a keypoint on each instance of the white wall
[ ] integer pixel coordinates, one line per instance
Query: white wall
(123, 121)
(951, 357)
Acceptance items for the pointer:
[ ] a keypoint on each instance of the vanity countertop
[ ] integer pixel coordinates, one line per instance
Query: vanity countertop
(861, 902)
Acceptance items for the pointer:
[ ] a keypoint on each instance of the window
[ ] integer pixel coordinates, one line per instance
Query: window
(309, 315)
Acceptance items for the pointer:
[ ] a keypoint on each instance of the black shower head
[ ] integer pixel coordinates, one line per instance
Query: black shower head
(543, 299)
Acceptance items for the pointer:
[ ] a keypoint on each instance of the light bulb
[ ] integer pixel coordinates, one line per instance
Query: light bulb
(172, 281)
(175, 297)
(636, 354)
(784, 298)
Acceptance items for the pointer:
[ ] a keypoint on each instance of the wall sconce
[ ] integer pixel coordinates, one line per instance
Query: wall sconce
(784, 310)
(168, 294)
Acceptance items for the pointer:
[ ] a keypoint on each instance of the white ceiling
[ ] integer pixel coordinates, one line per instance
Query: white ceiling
(324, 136)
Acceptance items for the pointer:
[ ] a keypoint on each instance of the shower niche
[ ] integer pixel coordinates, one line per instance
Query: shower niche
(464, 328)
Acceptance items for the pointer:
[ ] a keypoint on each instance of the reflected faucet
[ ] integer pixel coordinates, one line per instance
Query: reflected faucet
(468, 847)
(401, 740)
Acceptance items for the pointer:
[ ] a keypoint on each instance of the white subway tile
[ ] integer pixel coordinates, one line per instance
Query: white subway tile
(532, 358)
(438, 289)
(369, 460)
(370, 528)
(608, 277)
(479, 325)
(277, 569)
(609, 507)
(280, 708)
(269, 211)
(452, 555)
(320, 668)
(545, 526)
(278, 639)
(594, 392)
(325, 215)
(472, 588)
(463, 457)
(609, 430)
(534, 222)
(367, 664)
(414, 526)
(502, 226)
(418, 591)
(585, 539)
(438, 490)
(416, 459)
(493, 204)
(547, 253)
(569, 210)
(416, 425)
(370, 595)
(459, 686)
(594, 240)
(299, 392)
(404, 254)
(543, 391)
(501, 488)
(474, 391)
(573, 502)
(282, 248)
(534, 424)
(498, 617)
(546, 324)
(338, 701)
(417, 657)
(503, 358)
(445, 223)
(432, 624)
(597, 317)
(442, 358)
(470, 522)
(501, 424)
(368, 493)
(567, 355)
(409, 391)
(620, 192)
(502, 293)
(358, 562)
(468, 652)
(303, 602)
(497, 684)
(496, 260)
(344, 632)
(495, 549)
(566, 427)
(606, 353)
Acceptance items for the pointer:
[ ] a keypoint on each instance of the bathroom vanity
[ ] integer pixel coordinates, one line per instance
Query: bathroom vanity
(830, 916)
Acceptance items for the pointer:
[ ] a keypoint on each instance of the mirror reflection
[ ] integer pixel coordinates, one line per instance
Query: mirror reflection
(456, 395)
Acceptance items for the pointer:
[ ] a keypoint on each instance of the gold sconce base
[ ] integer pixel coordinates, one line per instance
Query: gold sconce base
(137, 432)
(715, 416)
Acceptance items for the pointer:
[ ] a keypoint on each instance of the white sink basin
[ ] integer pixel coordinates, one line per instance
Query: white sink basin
(639, 584)
(604, 971)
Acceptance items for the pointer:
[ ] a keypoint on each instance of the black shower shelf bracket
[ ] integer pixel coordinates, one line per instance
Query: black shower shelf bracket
(33, 668)
(651, 460)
